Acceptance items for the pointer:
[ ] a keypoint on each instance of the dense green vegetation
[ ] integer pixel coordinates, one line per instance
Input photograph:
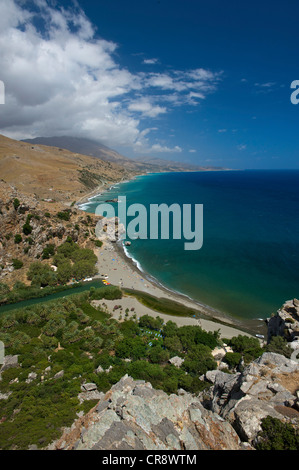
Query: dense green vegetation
(245, 348)
(161, 305)
(276, 435)
(73, 336)
(74, 262)
(84, 342)
(20, 292)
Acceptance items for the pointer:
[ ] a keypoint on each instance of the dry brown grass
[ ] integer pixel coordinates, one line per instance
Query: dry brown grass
(50, 172)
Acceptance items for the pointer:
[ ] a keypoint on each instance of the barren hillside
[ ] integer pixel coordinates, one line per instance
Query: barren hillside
(53, 173)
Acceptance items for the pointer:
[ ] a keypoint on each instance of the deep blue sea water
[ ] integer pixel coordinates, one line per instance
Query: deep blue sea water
(249, 263)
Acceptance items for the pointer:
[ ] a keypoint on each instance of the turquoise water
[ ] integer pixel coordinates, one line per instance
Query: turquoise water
(248, 265)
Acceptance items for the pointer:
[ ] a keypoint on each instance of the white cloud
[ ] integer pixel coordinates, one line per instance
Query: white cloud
(146, 108)
(164, 149)
(61, 79)
(150, 61)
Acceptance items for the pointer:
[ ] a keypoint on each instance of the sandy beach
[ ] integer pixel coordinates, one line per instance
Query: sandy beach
(121, 271)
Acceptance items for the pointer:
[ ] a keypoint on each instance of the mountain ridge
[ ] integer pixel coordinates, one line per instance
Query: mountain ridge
(96, 149)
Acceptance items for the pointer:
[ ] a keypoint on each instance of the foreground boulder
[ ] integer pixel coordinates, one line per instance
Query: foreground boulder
(134, 416)
(267, 387)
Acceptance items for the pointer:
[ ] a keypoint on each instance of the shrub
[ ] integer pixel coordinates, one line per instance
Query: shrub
(247, 346)
(108, 293)
(18, 238)
(49, 251)
(27, 229)
(17, 264)
(64, 215)
(276, 435)
(280, 346)
(16, 203)
(232, 359)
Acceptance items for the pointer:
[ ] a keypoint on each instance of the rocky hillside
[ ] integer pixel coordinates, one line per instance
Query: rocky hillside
(53, 173)
(28, 226)
(269, 386)
(134, 416)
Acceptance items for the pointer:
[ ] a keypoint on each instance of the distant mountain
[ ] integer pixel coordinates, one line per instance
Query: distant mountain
(96, 149)
(80, 145)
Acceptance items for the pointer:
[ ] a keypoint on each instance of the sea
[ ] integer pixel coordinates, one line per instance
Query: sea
(248, 265)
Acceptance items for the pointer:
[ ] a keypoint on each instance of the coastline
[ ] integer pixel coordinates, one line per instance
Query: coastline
(123, 272)
(102, 188)
(115, 262)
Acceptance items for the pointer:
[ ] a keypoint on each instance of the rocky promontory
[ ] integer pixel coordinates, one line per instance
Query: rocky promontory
(134, 416)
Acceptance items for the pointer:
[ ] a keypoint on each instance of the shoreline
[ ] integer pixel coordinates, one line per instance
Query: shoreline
(123, 272)
(101, 189)
(129, 274)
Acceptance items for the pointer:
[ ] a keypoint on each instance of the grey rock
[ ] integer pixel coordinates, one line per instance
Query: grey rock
(31, 377)
(5, 396)
(176, 361)
(134, 416)
(89, 387)
(59, 374)
(92, 395)
(9, 362)
(260, 390)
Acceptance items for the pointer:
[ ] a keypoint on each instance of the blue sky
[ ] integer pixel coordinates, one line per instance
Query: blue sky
(206, 82)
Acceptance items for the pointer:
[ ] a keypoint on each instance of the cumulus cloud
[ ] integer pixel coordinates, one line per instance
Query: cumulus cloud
(62, 79)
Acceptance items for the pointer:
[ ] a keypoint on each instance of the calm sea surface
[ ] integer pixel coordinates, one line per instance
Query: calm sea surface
(249, 263)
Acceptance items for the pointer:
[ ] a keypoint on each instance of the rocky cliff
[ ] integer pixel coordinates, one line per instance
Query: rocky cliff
(267, 387)
(286, 323)
(134, 416)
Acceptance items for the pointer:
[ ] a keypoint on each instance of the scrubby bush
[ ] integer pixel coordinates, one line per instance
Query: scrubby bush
(65, 215)
(27, 229)
(247, 346)
(276, 435)
(48, 251)
(18, 238)
(279, 345)
(232, 359)
(17, 263)
(108, 293)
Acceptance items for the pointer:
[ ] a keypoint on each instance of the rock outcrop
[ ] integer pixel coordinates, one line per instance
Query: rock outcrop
(267, 387)
(134, 416)
(286, 323)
